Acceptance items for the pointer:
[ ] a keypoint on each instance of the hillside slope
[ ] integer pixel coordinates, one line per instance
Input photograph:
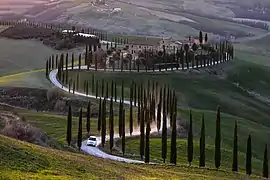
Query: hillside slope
(23, 160)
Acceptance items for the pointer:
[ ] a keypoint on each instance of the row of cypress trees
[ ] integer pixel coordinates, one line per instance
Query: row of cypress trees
(144, 96)
(62, 60)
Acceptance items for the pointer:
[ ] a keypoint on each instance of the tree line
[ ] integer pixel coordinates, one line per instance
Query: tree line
(182, 59)
(156, 104)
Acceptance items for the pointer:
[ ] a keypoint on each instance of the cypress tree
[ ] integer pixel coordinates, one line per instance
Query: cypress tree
(87, 88)
(103, 124)
(120, 118)
(47, 69)
(235, 150)
(107, 90)
(72, 61)
(111, 120)
(88, 125)
(123, 132)
(73, 90)
(79, 141)
(217, 140)
(202, 144)
(190, 140)
(77, 82)
(248, 156)
(131, 111)
(115, 92)
(147, 138)
(265, 163)
(164, 136)
(200, 37)
(142, 133)
(173, 136)
(80, 61)
(159, 115)
(122, 91)
(66, 61)
(96, 88)
(99, 115)
(69, 126)
(112, 85)
(135, 95)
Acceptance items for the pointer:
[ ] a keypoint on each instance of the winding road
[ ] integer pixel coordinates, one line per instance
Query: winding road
(95, 151)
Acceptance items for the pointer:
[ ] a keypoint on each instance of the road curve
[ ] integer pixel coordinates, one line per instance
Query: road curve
(95, 151)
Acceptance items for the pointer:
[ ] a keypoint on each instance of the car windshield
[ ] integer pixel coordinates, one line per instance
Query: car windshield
(92, 139)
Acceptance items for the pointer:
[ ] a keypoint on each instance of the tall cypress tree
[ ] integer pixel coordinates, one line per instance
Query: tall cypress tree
(217, 140)
(80, 61)
(164, 136)
(265, 163)
(72, 61)
(111, 119)
(96, 88)
(47, 69)
(79, 140)
(123, 132)
(88, 125)
(248, 156)
(120, 123)
(131, 111)
(235, 150)
(103, 124)
(159, 115)
(147, 138)
(115, 92)
(202, 144)
(142, 133)
(173, 136)
(69, 126)
(99, 115)
(190, 140)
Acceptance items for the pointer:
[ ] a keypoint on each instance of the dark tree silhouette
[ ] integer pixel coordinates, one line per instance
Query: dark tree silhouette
(103, 124)
(123, 132)
(79, 140)
(142, 133)
(265, 163)
(235, 150)
(69, 126)
(201, 37)
(147, 138)
(248, 156)
(190, 140)
(99, 115)
(111, 119)
(217, 140)
(202, 144)
(205, 38)
(174, 133)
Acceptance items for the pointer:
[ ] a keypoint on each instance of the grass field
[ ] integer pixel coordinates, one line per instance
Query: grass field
(55, 125)
(21, 160)
(22, 55)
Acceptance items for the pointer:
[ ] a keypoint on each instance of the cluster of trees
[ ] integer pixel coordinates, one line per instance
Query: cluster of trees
(159, 104)
(183, 58)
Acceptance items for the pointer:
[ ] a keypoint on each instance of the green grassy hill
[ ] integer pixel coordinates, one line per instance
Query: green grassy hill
(20, 160)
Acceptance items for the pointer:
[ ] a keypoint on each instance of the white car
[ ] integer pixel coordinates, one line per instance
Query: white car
(92, 141)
